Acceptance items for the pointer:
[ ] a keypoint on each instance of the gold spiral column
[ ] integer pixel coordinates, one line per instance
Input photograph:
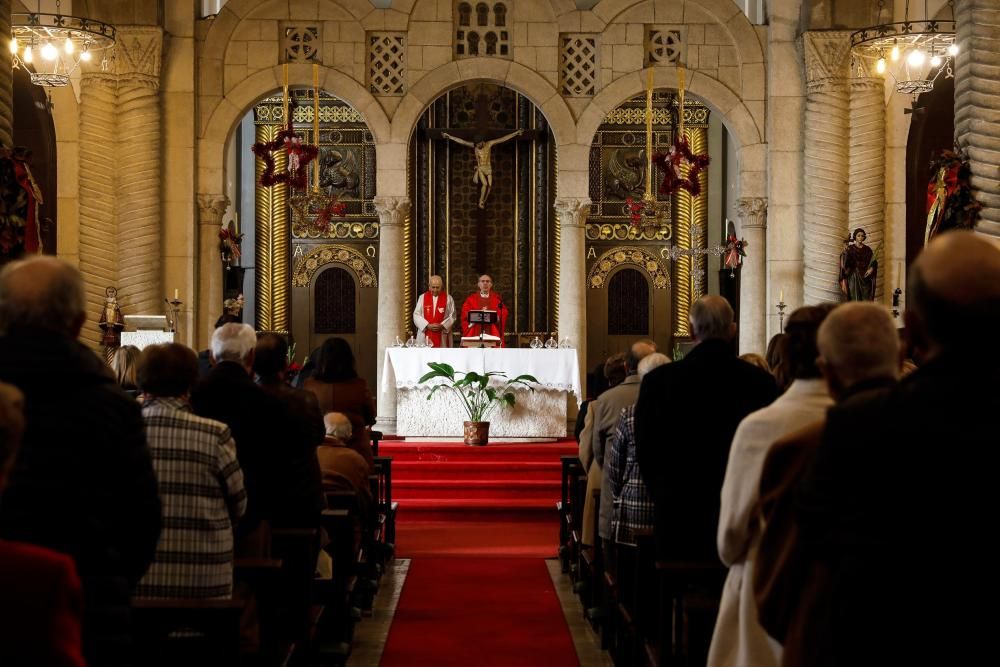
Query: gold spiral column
(273, 237)
(690, 220)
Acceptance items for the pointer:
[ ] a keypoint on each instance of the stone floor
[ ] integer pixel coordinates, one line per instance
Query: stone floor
(371, 634)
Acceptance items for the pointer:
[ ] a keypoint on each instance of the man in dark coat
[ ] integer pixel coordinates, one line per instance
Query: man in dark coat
(304, 432)
(260, 428)
(900, 502)
(83, 482)
(685, 419)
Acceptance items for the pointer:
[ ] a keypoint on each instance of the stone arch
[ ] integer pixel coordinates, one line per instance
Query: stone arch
(494, 70)
(231, 108)
(350, 258)
(719, 98)
(612, 260)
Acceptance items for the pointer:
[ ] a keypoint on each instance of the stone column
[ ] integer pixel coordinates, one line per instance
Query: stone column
(866, 175)
(99, 255)
(392, 212)
(753, 286)
(977, 92)
(211, 208)
(572, 279)
(826, 162)
(138, 55)
(6, 80)
(786, 103)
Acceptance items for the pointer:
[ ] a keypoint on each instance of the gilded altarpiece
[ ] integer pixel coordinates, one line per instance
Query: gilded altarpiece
(317, 280)
(513, 237)
(634, 289)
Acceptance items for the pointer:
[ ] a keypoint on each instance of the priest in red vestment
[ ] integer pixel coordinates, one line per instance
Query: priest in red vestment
(485, 299)
(434, 314)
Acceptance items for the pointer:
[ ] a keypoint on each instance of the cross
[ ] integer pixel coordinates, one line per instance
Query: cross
(481, 132)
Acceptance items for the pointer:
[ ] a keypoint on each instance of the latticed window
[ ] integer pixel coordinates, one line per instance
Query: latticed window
(500, 15)
(578, 65)
(464, 13)
(387, 63)
(333, 299)
(628, 304)
(482, 14)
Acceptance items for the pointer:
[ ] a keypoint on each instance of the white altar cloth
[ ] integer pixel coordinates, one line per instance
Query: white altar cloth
(539, 413)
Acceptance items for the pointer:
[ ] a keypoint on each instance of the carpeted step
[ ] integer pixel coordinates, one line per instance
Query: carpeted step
(477, 505)
(458, 452)
(497, 470)
(499, 491)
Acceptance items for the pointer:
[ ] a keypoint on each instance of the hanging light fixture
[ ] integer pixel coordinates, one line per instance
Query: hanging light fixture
(55, 44)
(913, 53)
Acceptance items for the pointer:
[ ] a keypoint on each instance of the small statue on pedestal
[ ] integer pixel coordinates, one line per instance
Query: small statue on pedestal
(112, 323)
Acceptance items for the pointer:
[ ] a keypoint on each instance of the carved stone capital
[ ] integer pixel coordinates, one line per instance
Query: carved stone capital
(827, 55)
(391, 210)
(211, 208)
(139, 54)
(572, 212)
(752, 212)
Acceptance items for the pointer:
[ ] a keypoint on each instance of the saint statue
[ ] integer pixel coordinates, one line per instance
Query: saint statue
(112, 323)
(858, 268)
(483, 174)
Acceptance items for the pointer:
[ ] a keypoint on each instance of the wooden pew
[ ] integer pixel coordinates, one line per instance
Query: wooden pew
(178, 631)
(572, 469)
(689, 594)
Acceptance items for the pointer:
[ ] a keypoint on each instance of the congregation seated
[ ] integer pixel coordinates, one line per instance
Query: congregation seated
(339, 389)
(42, 602)
(201, 484)
(83, 482)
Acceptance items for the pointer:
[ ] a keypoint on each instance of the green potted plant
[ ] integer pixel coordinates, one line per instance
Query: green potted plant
(478, 398)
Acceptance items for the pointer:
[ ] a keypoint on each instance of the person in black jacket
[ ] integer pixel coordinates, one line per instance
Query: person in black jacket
(83, 482)
(685, 419)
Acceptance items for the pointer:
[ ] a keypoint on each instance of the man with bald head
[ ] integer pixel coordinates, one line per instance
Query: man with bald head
(83, 482)
(434, 314)
(485, 299)
(900, 498)
(685, 419)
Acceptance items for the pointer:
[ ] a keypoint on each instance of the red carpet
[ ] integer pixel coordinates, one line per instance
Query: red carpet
(478, 612)
(477, 537)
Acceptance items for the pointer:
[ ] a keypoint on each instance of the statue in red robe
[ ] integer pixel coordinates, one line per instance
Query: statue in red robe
(485, 299)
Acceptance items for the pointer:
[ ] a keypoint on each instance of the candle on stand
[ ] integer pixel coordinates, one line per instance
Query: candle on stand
(781, 295)
(176, 294)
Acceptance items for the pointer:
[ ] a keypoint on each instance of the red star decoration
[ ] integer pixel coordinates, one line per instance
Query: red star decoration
(288, 140)
(671, 161)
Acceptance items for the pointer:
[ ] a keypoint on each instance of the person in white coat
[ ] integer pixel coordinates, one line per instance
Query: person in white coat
(739, 640)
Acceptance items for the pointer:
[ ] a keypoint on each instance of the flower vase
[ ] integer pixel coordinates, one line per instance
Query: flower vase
(477, 433)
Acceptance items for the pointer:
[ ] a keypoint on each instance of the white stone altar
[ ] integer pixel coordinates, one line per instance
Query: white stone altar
(145, 337)
(539, 413)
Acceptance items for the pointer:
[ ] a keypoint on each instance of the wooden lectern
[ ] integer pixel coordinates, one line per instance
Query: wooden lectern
(483, 318)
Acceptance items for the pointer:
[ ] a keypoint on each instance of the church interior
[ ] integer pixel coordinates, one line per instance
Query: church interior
(644, 183)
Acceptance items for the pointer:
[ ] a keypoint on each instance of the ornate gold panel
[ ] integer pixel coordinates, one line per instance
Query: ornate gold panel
(319, 257)
(646, 261)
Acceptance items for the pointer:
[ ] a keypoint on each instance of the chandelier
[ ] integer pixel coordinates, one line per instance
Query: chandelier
(53, 45)
(913, 53)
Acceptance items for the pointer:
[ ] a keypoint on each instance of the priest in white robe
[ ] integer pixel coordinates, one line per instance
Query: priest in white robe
(434, 314)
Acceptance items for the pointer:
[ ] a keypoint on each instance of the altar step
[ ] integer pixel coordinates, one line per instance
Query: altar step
(442, 481)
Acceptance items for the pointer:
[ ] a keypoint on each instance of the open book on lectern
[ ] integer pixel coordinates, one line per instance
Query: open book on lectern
(475, 341)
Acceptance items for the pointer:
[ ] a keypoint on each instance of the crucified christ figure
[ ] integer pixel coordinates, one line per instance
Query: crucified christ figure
(484, 166)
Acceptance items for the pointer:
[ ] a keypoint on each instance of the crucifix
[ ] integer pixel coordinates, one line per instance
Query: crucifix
(481, 138)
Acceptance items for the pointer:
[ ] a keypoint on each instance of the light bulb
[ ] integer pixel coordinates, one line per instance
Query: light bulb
(894, 54)
(880, 66)
(49, 52)
(85, 56)
(935, 61)
(953, 49)
(28, 57)
(68, 47)
(13, 45)
(915, 58)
